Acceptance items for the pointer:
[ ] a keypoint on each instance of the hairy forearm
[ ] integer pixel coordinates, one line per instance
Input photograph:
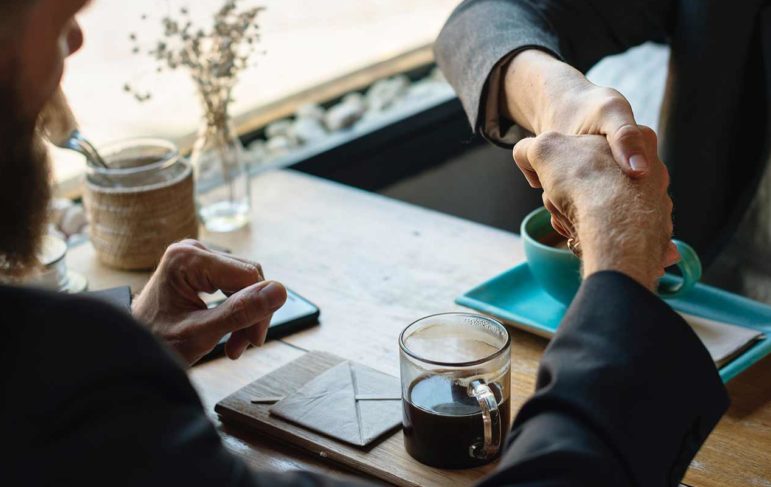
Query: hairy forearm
(618, 240)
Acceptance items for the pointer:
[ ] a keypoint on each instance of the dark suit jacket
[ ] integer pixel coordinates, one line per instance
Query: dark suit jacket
(714, 126)
(626, 394)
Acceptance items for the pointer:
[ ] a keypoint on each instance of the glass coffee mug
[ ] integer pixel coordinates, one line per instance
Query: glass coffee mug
(456, 379)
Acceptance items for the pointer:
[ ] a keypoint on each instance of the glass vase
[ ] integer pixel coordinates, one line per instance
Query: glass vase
(222, 180)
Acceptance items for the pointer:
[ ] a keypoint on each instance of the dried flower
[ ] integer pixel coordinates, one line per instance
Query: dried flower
(214, 58)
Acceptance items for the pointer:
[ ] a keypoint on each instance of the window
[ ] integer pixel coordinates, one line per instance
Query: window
(306, 43)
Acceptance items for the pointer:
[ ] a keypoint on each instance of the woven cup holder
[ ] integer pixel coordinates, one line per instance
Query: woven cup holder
(141, 205)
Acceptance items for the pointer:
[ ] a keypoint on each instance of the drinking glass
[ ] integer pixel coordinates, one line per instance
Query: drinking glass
(455, 376)
(223, 193)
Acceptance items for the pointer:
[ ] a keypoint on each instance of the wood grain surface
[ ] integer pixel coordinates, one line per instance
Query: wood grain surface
(386, 460)
(373, 265)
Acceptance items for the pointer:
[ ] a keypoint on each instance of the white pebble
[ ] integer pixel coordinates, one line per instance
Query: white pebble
(355, 98)
(383, 93)
(54, 231)
(372, 116)
(56, 209)
(73, 220)
(425, 89)
(310, 110)
(281, 127)
(308, 130)
(344, 115)
(257, 151)
(280, 145)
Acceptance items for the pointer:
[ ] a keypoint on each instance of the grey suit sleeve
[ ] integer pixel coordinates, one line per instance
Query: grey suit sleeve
(481, 34)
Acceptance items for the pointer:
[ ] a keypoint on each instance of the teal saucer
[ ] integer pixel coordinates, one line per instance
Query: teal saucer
(517, 299)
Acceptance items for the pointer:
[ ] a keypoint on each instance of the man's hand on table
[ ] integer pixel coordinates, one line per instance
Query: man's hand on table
(171, 307)
(622, 224)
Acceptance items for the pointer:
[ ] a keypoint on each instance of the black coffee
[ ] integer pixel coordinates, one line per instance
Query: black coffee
(441, 422)
(554, 239)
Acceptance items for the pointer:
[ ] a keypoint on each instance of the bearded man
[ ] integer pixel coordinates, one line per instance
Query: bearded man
(92, 395)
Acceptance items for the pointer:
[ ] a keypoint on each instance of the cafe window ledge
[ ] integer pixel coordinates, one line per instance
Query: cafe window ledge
(353, 107)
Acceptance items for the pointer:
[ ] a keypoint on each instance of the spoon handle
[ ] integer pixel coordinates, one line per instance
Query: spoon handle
(61, 128)
(86, 146)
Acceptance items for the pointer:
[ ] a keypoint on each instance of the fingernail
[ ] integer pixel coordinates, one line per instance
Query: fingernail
(638, 163)
(274, 294)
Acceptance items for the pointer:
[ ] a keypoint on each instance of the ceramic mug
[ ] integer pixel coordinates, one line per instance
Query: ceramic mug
(558, 271)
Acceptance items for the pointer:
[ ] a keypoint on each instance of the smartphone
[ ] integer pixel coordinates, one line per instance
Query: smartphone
(297, 314)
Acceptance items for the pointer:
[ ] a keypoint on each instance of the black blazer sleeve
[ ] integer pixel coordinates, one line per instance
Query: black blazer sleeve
(91, 398)
(480, 33)
(626, 394)
(120, 297)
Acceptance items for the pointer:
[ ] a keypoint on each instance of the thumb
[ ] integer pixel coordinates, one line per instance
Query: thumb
(626, 139)
(521, 158)
(247, 307)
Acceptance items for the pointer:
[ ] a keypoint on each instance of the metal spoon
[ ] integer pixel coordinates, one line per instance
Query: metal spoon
(61, 129)
(80, 144)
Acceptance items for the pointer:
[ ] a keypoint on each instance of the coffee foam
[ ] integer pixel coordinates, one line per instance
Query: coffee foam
(452, 343)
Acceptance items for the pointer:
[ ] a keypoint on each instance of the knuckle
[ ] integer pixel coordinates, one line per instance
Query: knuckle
(611, 102)
(190, 242)
(254, 270)
(629, 134)
(648, 134)
(549, 138)
(183, 261)
(179, 252)
(544, 145)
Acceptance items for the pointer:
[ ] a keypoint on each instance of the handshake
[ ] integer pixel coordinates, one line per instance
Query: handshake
(616, 222)
(603, 181)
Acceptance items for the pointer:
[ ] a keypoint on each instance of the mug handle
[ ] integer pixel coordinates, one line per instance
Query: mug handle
(690, 267)
(491, 420)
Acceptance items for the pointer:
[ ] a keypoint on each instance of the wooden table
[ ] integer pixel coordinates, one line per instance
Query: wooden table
(374, 265)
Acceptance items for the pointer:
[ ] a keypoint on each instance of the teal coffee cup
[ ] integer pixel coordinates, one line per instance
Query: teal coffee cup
(558, 271)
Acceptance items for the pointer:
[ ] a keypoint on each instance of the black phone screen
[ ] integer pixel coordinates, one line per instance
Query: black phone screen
(297, 313)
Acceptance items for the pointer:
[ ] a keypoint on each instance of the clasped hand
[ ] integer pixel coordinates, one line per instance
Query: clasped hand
(623, 224)
(170, 304)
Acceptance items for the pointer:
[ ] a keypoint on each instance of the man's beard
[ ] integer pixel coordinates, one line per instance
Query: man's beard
(24, 186)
